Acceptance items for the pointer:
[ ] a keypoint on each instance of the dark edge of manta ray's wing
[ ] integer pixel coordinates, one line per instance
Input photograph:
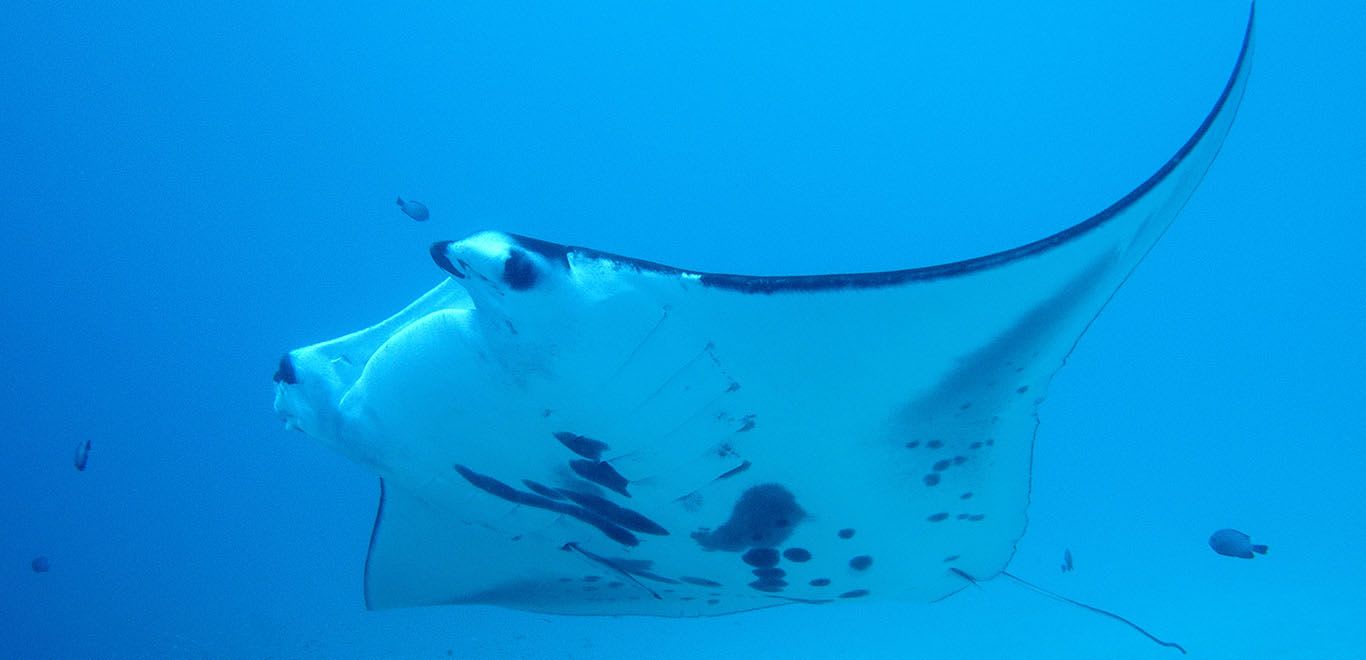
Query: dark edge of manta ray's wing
(1225, 108)
(370, 548)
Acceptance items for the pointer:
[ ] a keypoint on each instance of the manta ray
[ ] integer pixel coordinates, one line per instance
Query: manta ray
(566, 430)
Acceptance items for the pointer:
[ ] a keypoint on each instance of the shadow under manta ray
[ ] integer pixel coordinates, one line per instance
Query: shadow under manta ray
(565, 430)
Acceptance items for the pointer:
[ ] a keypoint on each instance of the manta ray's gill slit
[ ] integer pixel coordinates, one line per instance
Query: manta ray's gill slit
(689, 419)
(501, 490)
(574, 547)
(671, 378)
(640, 345)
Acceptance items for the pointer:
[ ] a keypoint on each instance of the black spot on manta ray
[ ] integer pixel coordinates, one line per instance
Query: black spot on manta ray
(965, 496)
(1022, 389)
(861, 562)
(913, 444)
(764, 516)
(701, 582)
(582, 445)
(931, 479)
(769, 573)
(799, 555)
(768, 585)
(857, 593)
(761, 557)
(937, 517)
(519, 271)
(941, 465)
(820, 582)
(600, 473)
(934, 444)
(846, 533)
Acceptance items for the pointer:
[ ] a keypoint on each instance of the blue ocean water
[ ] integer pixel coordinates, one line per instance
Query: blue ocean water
(187, 191)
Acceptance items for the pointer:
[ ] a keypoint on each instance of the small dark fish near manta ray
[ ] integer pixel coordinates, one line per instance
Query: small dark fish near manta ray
(1233, 543)
(82, 456)
(566, 430)
(413, 209)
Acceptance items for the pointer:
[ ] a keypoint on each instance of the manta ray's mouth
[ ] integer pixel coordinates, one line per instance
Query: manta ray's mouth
(285, 373)
(285, 378)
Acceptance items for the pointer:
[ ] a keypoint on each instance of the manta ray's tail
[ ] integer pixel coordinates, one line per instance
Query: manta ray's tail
(1065, 599)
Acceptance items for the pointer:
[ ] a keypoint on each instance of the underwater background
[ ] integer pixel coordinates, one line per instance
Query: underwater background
(187, 190)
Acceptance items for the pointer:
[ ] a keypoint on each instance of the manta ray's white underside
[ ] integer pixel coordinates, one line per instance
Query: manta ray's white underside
(566, 430)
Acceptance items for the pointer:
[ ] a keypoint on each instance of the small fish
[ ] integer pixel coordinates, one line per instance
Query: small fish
(1066, 561)
(40, 564)
(413, 209)
(82, 456)
(1233, 543)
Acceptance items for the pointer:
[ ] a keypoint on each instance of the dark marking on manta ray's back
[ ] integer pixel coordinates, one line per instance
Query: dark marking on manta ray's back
(543, 490)
(602, 474)
(620, 515)
(761, 557)
(582, 445)
(499, 489)
(764, 516)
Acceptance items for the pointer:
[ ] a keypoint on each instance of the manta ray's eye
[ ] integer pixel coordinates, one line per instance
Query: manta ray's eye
(519, 271)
